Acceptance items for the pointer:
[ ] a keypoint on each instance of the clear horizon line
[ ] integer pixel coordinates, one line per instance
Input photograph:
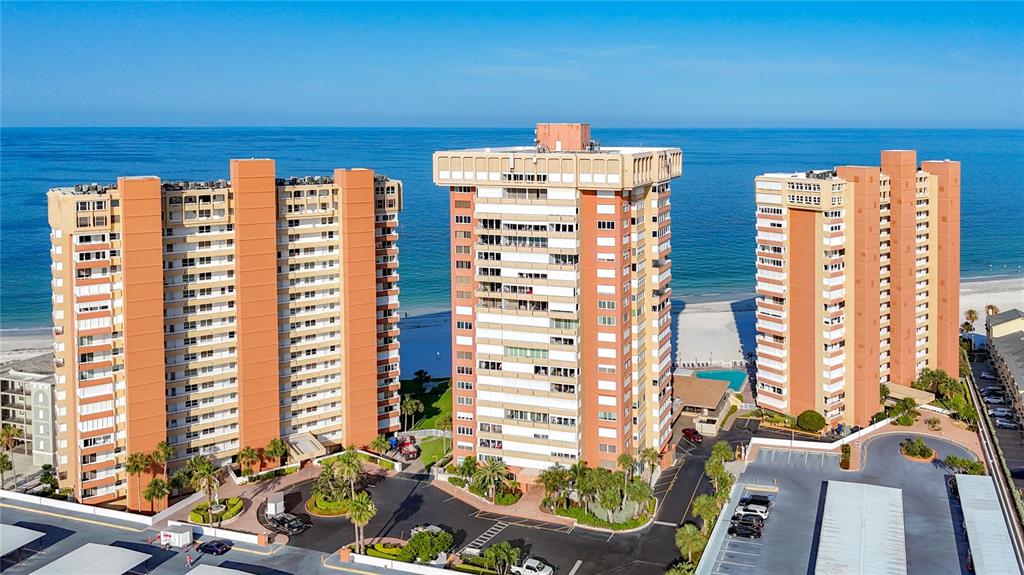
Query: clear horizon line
(516, 127)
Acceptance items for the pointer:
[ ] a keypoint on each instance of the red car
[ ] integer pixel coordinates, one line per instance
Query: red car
(693, 436)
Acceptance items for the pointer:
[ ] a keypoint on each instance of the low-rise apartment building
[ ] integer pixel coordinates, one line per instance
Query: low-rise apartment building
(858, 275)
(26, 403)
(560, 299)
(218, 315)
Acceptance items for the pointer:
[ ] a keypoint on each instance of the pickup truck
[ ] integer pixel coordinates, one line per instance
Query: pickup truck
(533, 567)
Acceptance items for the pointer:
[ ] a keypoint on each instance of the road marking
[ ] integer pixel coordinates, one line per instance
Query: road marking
(486, 536)
(349, 570)
(72, 518)
(575, 567)
(665, 523)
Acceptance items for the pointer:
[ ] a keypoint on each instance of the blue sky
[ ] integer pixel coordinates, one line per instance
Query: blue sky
(492, 64)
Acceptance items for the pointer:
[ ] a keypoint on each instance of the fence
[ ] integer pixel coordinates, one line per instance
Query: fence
(221, 533)
(398, 565)
(816, 445)
(96, 511)
(427, 433)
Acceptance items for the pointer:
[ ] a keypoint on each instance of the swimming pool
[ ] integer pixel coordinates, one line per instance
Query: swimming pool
(734, 377)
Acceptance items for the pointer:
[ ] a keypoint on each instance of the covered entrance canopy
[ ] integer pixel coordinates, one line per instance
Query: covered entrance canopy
(95, 559)
(304, 446)
(920, 396)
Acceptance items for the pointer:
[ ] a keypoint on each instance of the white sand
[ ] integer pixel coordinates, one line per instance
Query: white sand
(709, 332)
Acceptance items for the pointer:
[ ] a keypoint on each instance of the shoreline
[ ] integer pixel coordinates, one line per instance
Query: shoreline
(715, 331)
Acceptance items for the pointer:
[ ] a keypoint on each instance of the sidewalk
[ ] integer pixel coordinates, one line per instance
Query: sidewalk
(528, 506)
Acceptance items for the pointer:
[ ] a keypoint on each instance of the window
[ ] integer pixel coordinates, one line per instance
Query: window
(464, 384)
(463, 400)
(607, 416)
(463, 219)
(464, 325)
(606, 448)
(605, 304)
(605, 320)
(605, 225)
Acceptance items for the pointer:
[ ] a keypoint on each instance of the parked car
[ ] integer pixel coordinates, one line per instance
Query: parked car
(533, 566)
(762, 500)
(215, 547)
(1006, 424)
(425, 527)
(409, 452)
(1001, 412)
(992, 390)
(693, 436)
(994, 399)
(986, 375)
(747, 519)
(745, 531)
(758, 510)
(287, 523)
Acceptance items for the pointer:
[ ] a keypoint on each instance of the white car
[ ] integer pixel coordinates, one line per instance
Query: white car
(1006, 424)
(533, 567)
(986, 375)
(1001, 412)
(994, 399)
(758, 510)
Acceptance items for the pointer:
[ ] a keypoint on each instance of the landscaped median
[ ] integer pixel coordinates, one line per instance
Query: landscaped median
(224, 510)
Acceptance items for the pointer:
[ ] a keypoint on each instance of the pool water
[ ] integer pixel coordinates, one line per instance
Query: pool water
(734, 377)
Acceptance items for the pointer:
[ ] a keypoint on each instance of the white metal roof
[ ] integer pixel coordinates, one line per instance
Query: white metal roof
(861, 531)
(94, 559)
(204, 569)
(986, 527)
(13, 537)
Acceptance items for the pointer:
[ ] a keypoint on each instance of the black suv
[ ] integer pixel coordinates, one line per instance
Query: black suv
(756, 500)
(287, 523)
(748, 531)
(215, 547)
(748, 519)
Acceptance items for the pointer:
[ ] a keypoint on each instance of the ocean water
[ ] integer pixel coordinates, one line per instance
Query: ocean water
(712, 204)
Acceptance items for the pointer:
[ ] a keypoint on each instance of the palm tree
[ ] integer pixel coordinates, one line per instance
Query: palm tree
(971, 316)
(467, 469)
(690, 540)
(379, 445)
(649, 458)
(577, 476)
(417, 407)
(161, 455)
(991, 309)
(421, 376)
(554, 480)
(492, 475)
(5, 466)
(705, 507)
(204, 478)
(348, 468)
(156, 489)
(714, 469)
(639, 492)
(360, 511)
(406, 408)
(627, 464)
(137, 464)
(248, 457)
(686, 568)
(9, 437)
(275, 450)
(947, 386)
(721, 450)
(445, 425)
(503, 556)
(883, 393)
(966, 327)
(327, 485)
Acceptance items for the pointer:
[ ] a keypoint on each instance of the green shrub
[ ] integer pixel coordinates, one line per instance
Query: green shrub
(507, 498)
(389, 549)
(810, 420)
(964, 465)
(585, 518)
(916, 447)
(477, 560)
(324, 506)
(200, 513)
(457, 481)
(465, 568)
(372, 552)
(844, 459)
(425, 546)
(905, 420)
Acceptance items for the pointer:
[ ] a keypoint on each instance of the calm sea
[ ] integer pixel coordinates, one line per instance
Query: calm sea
(712, 204)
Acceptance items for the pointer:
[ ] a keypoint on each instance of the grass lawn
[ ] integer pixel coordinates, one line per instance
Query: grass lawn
(431, 449)
(435, 404)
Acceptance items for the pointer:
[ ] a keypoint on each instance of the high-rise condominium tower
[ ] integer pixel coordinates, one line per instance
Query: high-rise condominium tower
(858, 282)
(560, 299)
(218, 315)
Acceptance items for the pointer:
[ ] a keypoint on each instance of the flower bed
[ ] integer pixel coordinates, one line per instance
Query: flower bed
(200, 515)
(318, 505)
(585, 518)
(384, 550)
(501, 498)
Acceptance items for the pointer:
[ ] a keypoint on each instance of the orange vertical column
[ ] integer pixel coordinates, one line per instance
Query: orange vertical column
(255, 205)
(359, 305)
(901, 167)
(142, 276)
(863, 212)
(463, 296)
(804, 287)
(948, 172)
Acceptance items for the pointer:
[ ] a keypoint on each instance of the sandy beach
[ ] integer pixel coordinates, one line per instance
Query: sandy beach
(707, 332)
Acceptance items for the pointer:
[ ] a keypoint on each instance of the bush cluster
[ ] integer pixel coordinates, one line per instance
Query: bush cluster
(810, 420)
(457, 481)
(844, 459)
(916, 447)
(200, 513)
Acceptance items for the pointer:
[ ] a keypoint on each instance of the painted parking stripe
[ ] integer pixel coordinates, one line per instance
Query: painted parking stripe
(575, 567)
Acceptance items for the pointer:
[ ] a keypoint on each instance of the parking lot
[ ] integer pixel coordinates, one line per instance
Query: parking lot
(796, 482)
(1011, 442)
